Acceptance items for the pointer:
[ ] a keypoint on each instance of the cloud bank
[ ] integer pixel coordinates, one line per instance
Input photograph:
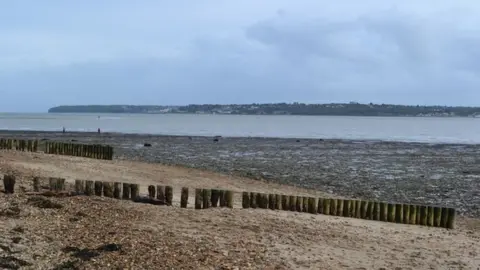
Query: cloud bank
(180, 52)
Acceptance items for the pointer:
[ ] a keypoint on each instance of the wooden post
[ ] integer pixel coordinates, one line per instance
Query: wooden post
(89, 188)
(391, 212)
(346, 208)
(264, 200)
(326, 206)
(437, 216)
(258, 198)
(320, 205)
(451, 218)
(376, 211)
(215, 197)
(184, 198)
(98, 188)
(298, 204)
(333, 207)
(369, 215)
(305, 204)
(9, 183)
(35, 146)
(168, 195)
(221, 197)
(36, 184)
(126, 191)
(79, 187)
(429, 216)
(339, 207)
(151, 191)
(423, 215)
(117, 190)
(413, 214)
(399, 213)
(278, 201)
(198, 198)
(245, 200)
(271, 201)
(108, 189)
(285, 204)
(312, 205)
(161, 193)
(206, 195)
(253, 200)
(293, 202)
(229, 198)
(406, 214)
(135, 191)
(383, 211)
(444, 218)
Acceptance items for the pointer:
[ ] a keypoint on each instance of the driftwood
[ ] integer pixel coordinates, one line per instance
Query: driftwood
(149, 200)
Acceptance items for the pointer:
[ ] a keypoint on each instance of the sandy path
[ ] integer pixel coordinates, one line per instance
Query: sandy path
(254, 239)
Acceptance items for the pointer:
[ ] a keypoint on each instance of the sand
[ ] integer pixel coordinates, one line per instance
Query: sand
(161, 237)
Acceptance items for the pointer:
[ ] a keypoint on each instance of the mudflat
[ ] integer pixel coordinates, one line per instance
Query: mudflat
(100, 233)
(402, 172)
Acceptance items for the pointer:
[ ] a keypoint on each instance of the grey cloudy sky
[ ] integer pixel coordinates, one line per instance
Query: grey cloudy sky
(56, 52)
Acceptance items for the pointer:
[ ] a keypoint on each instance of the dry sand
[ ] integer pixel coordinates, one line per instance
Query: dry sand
(161, 237)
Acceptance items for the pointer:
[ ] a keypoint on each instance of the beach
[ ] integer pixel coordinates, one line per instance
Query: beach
(401, 172)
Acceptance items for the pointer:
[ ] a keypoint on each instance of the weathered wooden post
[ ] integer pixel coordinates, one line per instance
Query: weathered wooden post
(346, 208)
(117, 190)
(168, 195)
(215, 197)
(161, 193)
(221, 196)
(264, 199)
(108, 189)
(298, 204)
(340, 207)
(278, 201)
(126, 191)
(89, 188)
(35, 146)
(327, 206)
(151, 191)
(312, 205)
(245, 200)
(98, 188)
(376, 211)
(406, 214)
(451, 218)
(198, 198)
(320, 205)
(9, 183)
(423, 215)
(206, 195)
(36, 184)
(333, 207)
(444, 218)
(229, 198)
(413, 214)
(271, 201)
(399, 213)
(79, 187)
(135, 191)
(305, 204)
(292, 200)
(437, 216)
(285, 204)
(253, 200)
(184, 197)
(429, 216)
(383, 211)
(391, 212)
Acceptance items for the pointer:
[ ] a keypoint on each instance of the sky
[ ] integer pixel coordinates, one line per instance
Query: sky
(57, 52)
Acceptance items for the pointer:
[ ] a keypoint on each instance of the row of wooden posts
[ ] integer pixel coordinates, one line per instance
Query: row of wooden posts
(205, 198)
(80, 150)
(20, 145)
(381, 211)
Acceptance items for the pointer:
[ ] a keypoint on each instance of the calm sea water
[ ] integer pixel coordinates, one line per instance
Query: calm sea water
(435, 130)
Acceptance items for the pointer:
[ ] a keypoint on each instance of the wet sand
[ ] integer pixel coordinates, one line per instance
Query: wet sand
(436, 174)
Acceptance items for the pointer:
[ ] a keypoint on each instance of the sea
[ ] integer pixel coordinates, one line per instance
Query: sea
(408, 129)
